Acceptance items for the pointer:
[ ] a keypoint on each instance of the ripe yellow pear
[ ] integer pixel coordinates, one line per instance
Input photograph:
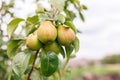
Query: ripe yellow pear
(33, 42)
(53, 46)
(65, 35)
(47, 32)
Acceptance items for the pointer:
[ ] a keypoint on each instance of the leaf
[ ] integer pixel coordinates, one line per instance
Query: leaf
(79, 31)
(20, 63)
(61, 18)
(81, 16)
(76, 44)
(71, 25)
(28, 69)
(59, 4)
(15, 77)
(10, 73)
(12, 47)
(77, 2)
(13, 25)
(69, 50)
(40, 8)
(62, 51)
(49, 63)
(70, 14)
(45, 16)
(29, 29)
(36, 75)
(32, 20)
(84, 7)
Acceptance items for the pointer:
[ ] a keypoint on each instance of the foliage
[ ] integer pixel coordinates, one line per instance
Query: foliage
(25, 64)
(5, 62)
(113, 59)
(49, 63)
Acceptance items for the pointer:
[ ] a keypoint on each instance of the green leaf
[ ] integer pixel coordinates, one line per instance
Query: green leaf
(12, 47)
(29, 29)
(81, 16)
(13, 25)
(76, 44)
(79, 31)
(32, 23)
(59, 4)
(16, 77)
(61, 18)
(69, 50)
(40, 8)
(70, 14)
(20, 63)
(49, 63)
(32, 20)
(36, 75)
(28, 69)
(45, 78)
(45, 16)
(84, 7)
(10, 73)
(77, 2)
(71, 25)
(62, 51)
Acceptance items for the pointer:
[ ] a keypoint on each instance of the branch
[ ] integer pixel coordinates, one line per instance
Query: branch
(64, 69)
(54, 10)
(35, 57)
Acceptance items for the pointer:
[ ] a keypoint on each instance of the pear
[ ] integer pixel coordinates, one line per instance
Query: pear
(33, 42)
(53, 46)
(47, 32)
(65, 35)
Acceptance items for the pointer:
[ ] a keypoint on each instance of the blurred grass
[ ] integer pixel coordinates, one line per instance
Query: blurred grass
(76, 73)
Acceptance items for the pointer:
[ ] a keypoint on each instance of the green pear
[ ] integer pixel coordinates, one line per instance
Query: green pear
(65, 35)
(33, 42)
(52, 46)
(47, 32)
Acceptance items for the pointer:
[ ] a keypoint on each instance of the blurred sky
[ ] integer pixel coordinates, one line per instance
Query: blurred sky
(100, 31)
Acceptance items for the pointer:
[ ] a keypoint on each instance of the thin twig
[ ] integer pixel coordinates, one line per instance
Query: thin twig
(54, 10)
(35, 57)
(65, 64)
(64, 69)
